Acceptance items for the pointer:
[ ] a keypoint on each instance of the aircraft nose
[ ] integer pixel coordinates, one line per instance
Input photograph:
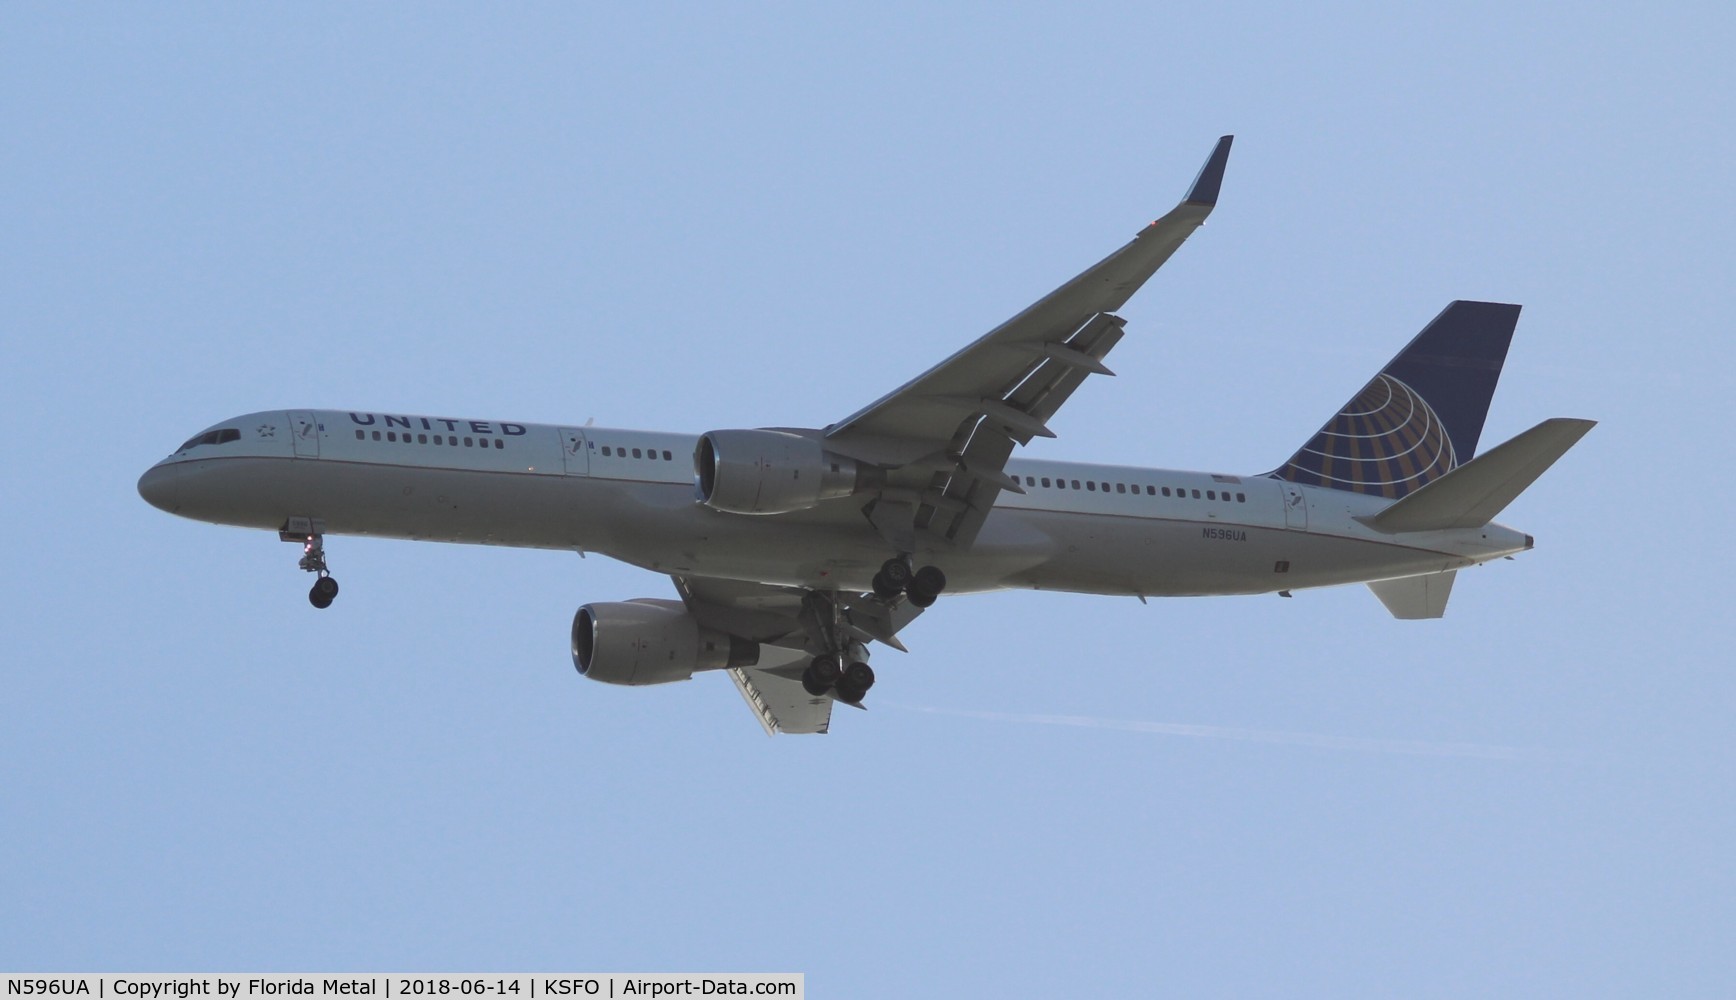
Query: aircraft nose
(160, 486)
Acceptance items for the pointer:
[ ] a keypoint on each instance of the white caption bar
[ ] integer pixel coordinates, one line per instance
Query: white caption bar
(409, 986)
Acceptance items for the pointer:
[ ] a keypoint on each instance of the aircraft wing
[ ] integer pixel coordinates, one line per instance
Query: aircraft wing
(787, 623)
(947, 433)
(777, 697)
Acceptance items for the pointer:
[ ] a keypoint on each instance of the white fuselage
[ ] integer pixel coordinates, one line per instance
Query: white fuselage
(1097, 529)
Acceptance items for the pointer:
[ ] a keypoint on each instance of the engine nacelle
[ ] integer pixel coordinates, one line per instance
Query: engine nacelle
(768, 472)
(649, 641)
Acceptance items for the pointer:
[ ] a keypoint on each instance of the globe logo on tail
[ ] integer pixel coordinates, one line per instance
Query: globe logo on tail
(1386, 442)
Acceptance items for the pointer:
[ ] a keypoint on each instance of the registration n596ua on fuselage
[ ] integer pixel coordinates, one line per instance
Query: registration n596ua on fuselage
(793, 550)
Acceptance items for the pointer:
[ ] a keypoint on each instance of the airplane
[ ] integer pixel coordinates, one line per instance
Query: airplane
(793, 549)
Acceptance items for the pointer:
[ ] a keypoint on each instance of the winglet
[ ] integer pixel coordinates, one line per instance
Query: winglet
(1205, 186)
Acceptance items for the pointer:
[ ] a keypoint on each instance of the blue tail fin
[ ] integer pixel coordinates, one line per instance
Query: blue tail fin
(1421, 416)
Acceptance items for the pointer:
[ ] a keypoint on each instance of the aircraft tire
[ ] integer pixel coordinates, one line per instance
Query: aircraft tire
(325, 590)
(885, 589)
(929, 580)
(858, 676)
(820, 676)
(896, 573)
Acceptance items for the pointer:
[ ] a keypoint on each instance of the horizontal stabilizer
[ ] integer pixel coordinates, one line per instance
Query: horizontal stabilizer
(1471, 495)
(1414, 597)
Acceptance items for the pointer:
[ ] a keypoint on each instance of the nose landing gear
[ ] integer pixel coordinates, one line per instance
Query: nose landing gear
(309, 532)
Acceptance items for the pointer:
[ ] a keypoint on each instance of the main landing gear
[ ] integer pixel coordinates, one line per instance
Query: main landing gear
(842, 668)
(308, 531)
(896, 577)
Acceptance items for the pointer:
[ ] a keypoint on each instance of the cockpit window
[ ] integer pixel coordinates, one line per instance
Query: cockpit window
(221, 436)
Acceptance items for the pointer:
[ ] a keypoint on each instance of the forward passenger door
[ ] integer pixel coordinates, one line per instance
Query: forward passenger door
(575, 451)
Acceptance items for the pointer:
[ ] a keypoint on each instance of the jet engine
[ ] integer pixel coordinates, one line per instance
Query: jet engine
(648, 641)
(768, 472)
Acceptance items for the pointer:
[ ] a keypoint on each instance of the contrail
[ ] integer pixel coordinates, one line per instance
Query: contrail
(1416, 748)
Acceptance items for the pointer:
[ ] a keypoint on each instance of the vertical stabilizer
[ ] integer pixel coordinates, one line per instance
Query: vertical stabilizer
(1421, 417)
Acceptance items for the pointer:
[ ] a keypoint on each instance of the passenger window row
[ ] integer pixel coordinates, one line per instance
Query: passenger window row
(620, 452)
(449, 440)
(1094, 486)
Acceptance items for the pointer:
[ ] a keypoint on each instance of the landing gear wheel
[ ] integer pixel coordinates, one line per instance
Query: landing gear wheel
(885, 589)
(926, 585)
(929, 580)
(821, 675)
(325, 590)
(857, 679)
(858, 675)
(896, 573)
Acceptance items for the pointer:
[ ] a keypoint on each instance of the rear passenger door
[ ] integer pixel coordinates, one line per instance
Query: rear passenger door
(1295, 507)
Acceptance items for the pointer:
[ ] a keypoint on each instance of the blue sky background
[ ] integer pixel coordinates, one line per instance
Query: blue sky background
(668, 217)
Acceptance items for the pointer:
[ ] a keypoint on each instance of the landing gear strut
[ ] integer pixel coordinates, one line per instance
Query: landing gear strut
(308, 531)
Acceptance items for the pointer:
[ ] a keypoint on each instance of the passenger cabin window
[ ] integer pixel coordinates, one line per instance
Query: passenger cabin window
(1196, 494)
(1151, 491)
(667, 458)
(636, 453)
(1045, 481)
(605, 451)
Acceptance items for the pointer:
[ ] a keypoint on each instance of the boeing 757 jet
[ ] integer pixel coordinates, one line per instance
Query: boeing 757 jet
(794, 549)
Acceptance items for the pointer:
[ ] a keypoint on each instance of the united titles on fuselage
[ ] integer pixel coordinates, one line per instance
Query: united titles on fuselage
(427, 423)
